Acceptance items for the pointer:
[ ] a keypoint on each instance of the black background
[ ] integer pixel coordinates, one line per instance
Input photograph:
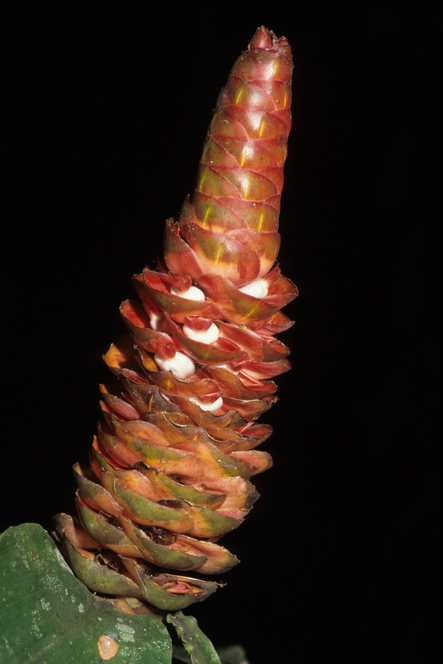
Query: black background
(107, 106)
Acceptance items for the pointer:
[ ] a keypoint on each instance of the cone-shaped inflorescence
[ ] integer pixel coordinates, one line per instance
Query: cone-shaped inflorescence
(170, 467)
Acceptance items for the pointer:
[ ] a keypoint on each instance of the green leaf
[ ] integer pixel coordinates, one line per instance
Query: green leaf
(47, 616)
(232, 655)
(197, 645)
(228, 655)
(179, 654)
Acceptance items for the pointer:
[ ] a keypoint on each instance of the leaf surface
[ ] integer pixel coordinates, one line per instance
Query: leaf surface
(47, 616)
(197, 645)
(228, 655)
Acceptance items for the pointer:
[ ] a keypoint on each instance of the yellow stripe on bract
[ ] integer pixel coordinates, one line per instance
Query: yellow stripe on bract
(261, 219)
(262, 126)
(274, 70)
(206, 215)
(202, 179)
(285, 99)
(218, 254)
(252, 310)
(239, 95)
(243, 155)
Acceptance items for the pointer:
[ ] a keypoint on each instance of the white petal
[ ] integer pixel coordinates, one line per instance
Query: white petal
(181, 365)
(215, 405)
(257, 288)
(154, 320)
(193, 293)
(206, 337)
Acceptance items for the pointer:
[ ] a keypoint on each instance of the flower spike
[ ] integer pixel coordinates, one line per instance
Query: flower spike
(171, 465)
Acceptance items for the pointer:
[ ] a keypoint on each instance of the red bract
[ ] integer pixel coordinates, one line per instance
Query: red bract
(170, 467)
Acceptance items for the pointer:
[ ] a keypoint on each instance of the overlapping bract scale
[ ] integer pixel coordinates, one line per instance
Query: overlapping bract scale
(176, 446)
